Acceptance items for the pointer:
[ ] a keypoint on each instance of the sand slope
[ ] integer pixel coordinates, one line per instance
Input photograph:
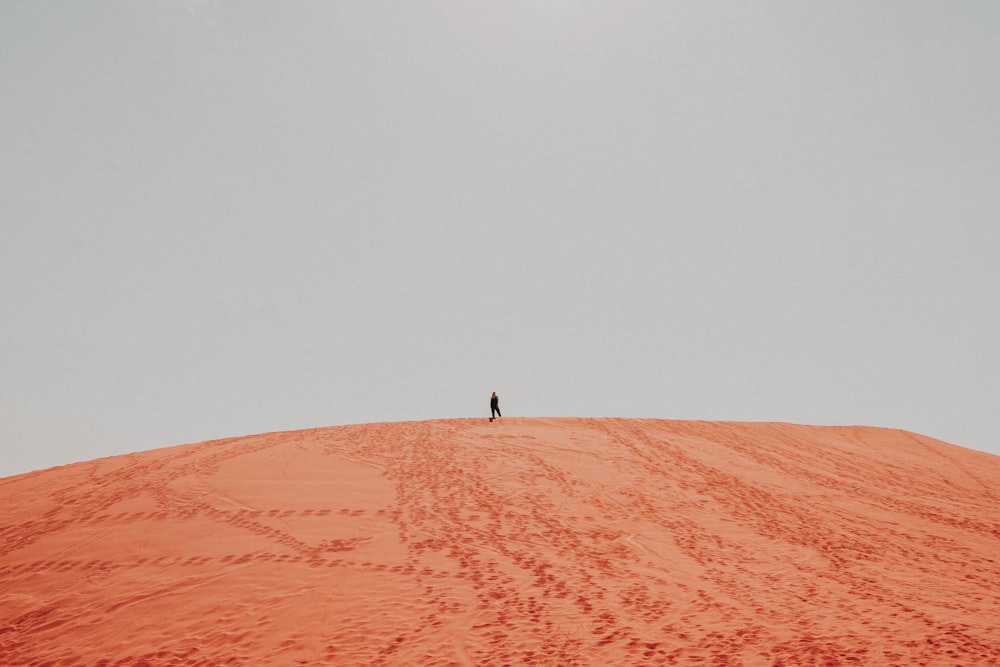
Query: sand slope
(524, 541)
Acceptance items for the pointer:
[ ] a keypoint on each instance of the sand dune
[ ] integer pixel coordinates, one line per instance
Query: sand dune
(519, 542)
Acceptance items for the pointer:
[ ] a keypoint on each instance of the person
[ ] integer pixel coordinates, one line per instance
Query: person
(494, 406)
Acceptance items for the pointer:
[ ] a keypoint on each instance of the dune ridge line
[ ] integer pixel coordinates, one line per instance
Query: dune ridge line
(530, 541)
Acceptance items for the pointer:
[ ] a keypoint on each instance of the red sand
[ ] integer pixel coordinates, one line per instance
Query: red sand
(524, 541)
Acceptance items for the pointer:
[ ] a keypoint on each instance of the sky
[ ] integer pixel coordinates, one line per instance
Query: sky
(230, 217)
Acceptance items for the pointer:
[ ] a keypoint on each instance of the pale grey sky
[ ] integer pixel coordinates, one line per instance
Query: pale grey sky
(222, 218)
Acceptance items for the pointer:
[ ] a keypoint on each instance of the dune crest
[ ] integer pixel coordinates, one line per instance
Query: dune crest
(523, 541)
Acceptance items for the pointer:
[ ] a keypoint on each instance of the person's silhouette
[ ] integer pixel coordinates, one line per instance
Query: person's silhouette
(494, 406)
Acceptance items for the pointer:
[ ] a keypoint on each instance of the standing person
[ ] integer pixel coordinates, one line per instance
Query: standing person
(494, 406)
